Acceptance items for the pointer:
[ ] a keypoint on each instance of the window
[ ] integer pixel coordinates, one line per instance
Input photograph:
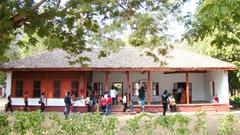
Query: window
(75, 88)
(19, 89)
(155, 89)
(36, 88)
(98, 86)
(135, 88)
(57, 88)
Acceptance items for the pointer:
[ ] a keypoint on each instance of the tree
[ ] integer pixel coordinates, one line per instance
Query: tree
(75, 25)
(216, 24)
(216, 19)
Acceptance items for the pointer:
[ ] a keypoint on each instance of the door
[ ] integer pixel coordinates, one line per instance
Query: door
(181, 91)
(119, 88)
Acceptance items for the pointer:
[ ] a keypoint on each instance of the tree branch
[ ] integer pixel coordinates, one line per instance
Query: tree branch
(38, 4)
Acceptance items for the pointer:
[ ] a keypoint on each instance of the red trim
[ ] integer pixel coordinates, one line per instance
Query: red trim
(106, 79)
(120, 69)
(187, 87)
(148, 89)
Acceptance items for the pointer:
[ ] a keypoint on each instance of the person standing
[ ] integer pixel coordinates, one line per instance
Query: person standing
(131, 106)
(179, 94)
(42, 102)
(26, 101)
(113, 95)
(88, 101)
(109, 105)
(9, 104)
(141, 98)
(103, 103)
(67, 101)
(164, 101)
(72, 103)
(124, 100)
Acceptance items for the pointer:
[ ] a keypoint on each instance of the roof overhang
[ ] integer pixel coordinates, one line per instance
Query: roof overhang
(164, 69)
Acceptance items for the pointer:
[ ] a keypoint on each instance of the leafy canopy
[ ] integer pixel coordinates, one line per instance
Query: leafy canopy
(77, 25)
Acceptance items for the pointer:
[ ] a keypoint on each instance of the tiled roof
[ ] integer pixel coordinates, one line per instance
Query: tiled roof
(124, 58)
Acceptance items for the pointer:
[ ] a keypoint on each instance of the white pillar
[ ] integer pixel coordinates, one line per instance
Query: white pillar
(224, 97)
(9, 84)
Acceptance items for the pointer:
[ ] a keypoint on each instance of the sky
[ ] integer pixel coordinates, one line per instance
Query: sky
(176, 29)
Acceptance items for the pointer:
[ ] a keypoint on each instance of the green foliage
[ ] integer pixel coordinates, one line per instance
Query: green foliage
(134, 125)
(235, 100)
(5, 129)
(166, 122)
(226, 126)
(109, 125)
(73, 25)
(183, 122)
(28, 122)
(200, 126)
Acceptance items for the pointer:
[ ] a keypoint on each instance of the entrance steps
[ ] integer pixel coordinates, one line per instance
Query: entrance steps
(208, 109)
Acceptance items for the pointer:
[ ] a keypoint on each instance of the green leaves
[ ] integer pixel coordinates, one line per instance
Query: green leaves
(226, 126)
(77, 24)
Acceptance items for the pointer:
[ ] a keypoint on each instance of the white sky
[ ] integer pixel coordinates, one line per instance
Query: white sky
(176, 29)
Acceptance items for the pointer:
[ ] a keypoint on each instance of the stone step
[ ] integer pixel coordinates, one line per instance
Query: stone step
(208, 109)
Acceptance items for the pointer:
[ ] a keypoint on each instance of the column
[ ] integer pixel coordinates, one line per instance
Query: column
(148, 89)
(85, 84)
(9, 84)
(106, 80)
(46, 87)
(187, 87)
(128, 87)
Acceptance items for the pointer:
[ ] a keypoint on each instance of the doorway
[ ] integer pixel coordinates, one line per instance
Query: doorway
(181, 95)
(119, 88)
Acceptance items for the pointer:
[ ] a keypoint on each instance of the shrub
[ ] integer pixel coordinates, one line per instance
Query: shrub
(200, 126)
(183, 122)
(226, 126)
(5, 129)
(235, 100)
(166, 122)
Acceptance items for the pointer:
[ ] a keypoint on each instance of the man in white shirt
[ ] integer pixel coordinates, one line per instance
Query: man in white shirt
(124, 100)
(113, 93)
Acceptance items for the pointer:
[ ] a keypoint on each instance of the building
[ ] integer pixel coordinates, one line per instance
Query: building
(201, 77)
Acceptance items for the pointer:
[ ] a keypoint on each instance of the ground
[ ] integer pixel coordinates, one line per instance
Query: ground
(212, 119)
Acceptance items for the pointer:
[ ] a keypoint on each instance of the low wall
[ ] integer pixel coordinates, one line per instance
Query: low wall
(147, 108)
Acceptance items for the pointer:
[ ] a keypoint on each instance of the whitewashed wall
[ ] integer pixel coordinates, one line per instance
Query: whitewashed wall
(9, 84)
(50, 102)
(221, 85)
(165, 81)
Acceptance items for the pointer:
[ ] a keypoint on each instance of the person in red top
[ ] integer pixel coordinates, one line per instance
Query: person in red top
(103, 103)
(215, 99)
(109, 105)
(26, 101)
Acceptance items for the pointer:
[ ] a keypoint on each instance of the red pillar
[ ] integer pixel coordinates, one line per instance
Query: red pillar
(106, 80)
(187, 87)
(46, 87)
(85, 84)
(128, 87)
(148, 89)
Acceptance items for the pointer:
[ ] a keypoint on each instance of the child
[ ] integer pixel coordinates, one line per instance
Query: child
(131, 106)
(124, 100)
(88, 104)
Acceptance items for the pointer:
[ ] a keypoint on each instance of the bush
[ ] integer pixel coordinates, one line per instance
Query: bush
(227, 125)
(5, 129)
(235, 100)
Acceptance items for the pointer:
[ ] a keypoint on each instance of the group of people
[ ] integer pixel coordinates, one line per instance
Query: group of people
(166, 100)
(25, 98)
